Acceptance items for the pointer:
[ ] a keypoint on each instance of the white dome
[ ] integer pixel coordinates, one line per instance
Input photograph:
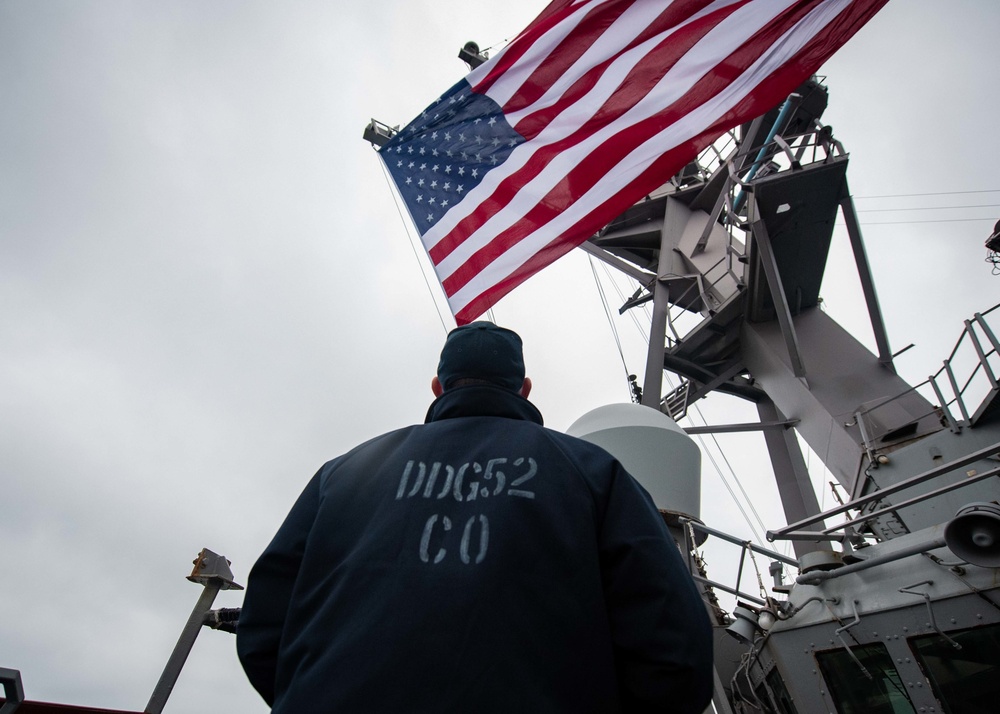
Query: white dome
(651, 447)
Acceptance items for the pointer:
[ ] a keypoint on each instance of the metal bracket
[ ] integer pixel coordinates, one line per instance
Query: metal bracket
(212, 571)
(783, 145)
(930, 610)
(379, 134)
(840, 630)
(13, 692)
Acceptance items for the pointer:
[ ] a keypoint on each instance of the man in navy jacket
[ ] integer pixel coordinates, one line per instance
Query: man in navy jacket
(475, 563)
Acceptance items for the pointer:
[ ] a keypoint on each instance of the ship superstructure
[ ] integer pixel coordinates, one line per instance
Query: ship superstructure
(894, 604)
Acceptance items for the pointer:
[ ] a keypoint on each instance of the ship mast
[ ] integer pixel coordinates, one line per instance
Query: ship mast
(740, 238)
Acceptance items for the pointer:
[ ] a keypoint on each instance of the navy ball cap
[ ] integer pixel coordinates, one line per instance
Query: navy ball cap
(482, 350)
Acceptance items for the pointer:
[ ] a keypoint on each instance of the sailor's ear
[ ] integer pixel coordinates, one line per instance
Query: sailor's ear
(436, 386)
(526, 387)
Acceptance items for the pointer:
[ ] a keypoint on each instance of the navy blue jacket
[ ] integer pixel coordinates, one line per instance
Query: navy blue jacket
(476, 563)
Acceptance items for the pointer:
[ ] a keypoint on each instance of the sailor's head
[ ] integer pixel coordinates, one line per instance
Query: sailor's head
(481, 353)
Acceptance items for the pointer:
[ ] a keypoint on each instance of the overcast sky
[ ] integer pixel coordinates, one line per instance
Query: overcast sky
(206, 290)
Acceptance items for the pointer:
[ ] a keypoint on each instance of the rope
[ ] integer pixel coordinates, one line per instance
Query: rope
(760, 580)
(413, 247)
(607, 313)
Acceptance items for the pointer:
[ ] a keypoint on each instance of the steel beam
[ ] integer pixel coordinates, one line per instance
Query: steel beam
(733, 428)
(614, 261)
(702, 528)
(770, 267)
(652, 385)
(867, 283)
(795, 489)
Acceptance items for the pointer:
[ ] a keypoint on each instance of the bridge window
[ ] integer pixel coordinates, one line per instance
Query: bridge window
(876, 689)
(966, 680)
(781, 697)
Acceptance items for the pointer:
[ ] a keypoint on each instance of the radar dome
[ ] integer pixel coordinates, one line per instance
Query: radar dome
(651, 447)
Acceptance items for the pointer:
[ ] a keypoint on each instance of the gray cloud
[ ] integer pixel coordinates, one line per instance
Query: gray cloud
(206, 291)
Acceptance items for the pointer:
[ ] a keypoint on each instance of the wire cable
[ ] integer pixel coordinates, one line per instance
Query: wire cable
(704, 447)
(935, 220)
(937, 193)
(732, 472)
(926, 208)
(607, 313)
(416, 255)
(725, 482)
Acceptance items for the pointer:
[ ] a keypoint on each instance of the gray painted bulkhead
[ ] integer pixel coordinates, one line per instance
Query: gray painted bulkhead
(842, 376)
(754, 278)
(878, 606)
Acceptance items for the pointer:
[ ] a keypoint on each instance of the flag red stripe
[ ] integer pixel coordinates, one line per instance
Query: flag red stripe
(640, 80)
(651, 69)
(775, 88)
(513, 53)
(564, 55)
(596, 163)
(537, 262)
(554, 7)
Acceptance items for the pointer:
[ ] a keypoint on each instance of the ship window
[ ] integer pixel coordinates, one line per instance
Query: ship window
(763, 699)
(967, 680)
(781, 697)
(855, 693)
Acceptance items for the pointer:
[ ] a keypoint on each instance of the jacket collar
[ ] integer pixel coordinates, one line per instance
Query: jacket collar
(482, 400)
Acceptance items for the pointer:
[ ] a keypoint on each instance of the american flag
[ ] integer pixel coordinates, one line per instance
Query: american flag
(593, 106)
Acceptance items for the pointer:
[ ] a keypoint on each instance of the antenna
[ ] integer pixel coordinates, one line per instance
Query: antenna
(993, 246)
(471, 55)
(379, 134)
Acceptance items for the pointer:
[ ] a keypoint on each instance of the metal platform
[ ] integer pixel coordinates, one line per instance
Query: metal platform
(798, 210)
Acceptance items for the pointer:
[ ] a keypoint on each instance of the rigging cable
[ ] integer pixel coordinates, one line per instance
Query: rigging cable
(607, 313)
(739, 484)
(932, 220)
(705, 449)
(935, 193)
(927, 208)
(416, 254)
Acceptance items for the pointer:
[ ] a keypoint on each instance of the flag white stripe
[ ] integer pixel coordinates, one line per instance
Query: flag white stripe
(612, 41)
(514, 76)
(692, 66)
(571, 119)
(577, 115)
(639, 159)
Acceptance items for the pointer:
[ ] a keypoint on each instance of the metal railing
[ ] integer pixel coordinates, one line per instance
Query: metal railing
(976, 358)
(976, 332)
(793, 532)
(980, 338)
(691, 526)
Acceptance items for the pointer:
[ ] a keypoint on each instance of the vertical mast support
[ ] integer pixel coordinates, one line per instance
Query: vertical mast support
(798, 498)
(762, 242)
(867, 283)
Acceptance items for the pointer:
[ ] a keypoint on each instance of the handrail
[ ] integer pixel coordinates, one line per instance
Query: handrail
(857, 503)
(916, 499)
(959, 390)
(737, 541)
